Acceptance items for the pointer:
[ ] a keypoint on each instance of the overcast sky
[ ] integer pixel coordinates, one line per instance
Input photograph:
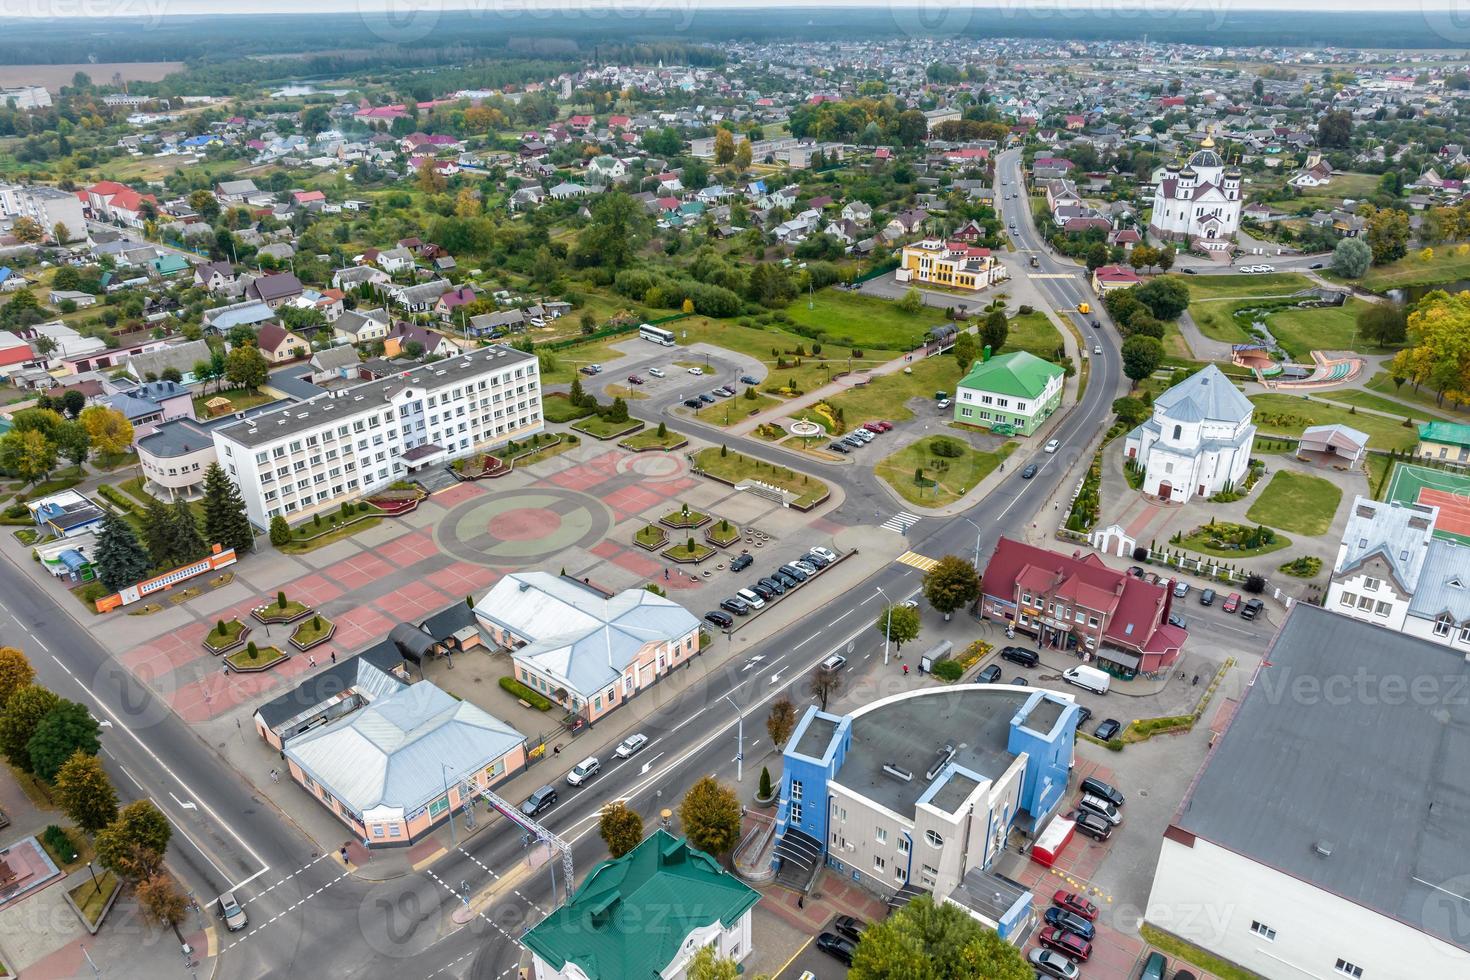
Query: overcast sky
(155, 8)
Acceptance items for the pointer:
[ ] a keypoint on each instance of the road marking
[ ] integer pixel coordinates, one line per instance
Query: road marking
(901, 521)
(1051, 275)
(183, 804)
(916, 560)
(799, 950)
(278, 915)
(649, 764)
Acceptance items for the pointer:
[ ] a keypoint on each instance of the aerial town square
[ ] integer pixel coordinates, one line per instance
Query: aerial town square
(640, 491)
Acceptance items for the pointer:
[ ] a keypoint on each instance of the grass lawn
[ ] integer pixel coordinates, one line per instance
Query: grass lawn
(651, 536)
(1241, 286)
(947, 479)
(239, 398)
(688, 550)
(1410, 270)
(265, 657)
(555, 449)
(1323, 328)
(723, 532)
(1297, 502)
(233, 629)
(649, 438)
(626, 392)
(109, 462)
(736, 467)
(854, 320)
(759, 341)
(565, 362)
(273, 610)
(298, 546)
(601, 428)
(91, 897)
(679, 519)
(557, 407)
(728, 411)
(1032, 332)
(1378, 470)
(1288, 415)
(1367, 399)
(886, 396)
(1181, 950)
(1343, 185)
(1424, 398)
(1199, 543)
(311, 630)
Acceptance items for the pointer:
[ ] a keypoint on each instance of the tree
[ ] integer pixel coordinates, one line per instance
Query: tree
(1097, 256)
(66, 729)
(280, 531)
(23, 713)
(72, 404)
(1130, 411)
(929, 941)
(951, 584)
(724, 147)
(912, 301)
(119, 559)
(73, 442)
(27, 231)
(185, 544)
(1388, 235)
(1164, 257)
(246, 367)
(709, 965)
(428, 178)
(156, 532)
(1384, 324)
(15, 672)
(620, 827)
(1335, 130)
(1351, 258)
(995, 330)
(133, 845)
(225, 522)
(617, 229)
(964, 350)
(110, 430)
(28, 454)
(84, 792)
(912, 127)
(743, 156)
(1166, 297)
(1141, 357)
(899, 624)
(824, 684)
(162, 902)
(710, 814)
(781, 722)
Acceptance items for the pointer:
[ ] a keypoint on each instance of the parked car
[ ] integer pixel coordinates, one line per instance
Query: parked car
(1191, 272)
(631, 746)
(1075, 904)
(587, 370)
(1175, 619)
(751, 599)
(633, 379)
(1181, 589)
(584, 771)
(656, 372)
(877, 428)
(1315, 265)
(1092, 825)
(839, 946)
(989, 674)
(1053, 964)
(1019, 681)
(1207, 597)
(774, 585)
(707, 398)
(788, 582)
(1154, 967)
(542, 799)
(1052, 445)
(736, 605)
(697, 372)
(864, 435)
(811, 558)
(1136, 571)
(1108, 729)
(748, 379)
(741, 563)
(1107, 791)
(721, 619)
(805, 566)
(835, 662)
(793, 572)
(826, 553)
(1101, 807)
(764, 591)
(1029, 471)
(230, 911)
(850, 927)
(693, 403)
(838, 447)
(1083, 713)
(1068, 943)
(1232, 602)
(1252, 608)
(1069, 922)
(1020, 655)
(943, 404)
(852, 441)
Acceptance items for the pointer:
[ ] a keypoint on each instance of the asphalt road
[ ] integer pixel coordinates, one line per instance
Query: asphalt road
(308, 919)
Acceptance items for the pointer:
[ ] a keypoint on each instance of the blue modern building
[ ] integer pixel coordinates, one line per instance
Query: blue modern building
(918, 793)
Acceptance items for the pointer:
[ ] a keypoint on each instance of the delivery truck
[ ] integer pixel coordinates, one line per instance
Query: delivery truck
(1088, 678)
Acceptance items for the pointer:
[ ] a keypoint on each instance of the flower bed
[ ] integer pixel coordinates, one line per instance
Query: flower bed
(722, 534)
(651, 536)
(601, 428)
(396, 503)
(690, 552)
(684, 518)
(312, 632)
(253, 659)
(234, 634)
(276, 612)
(478, 467)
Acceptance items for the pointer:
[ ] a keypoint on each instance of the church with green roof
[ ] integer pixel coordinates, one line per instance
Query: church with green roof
(1011, 393)
(644, 915)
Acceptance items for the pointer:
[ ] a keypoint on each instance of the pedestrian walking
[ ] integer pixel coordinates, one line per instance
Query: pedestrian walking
(275, 776)
(334, 656)
(310, 660)
(1196, 681)
(343, 852)
(905, 670)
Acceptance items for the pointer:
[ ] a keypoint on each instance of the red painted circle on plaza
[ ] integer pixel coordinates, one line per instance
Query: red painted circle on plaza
(524, 524)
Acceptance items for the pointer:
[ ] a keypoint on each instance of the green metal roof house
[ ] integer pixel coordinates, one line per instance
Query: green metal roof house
(1444, 440)
(168, 264)
(1017, 390)
(644, 915)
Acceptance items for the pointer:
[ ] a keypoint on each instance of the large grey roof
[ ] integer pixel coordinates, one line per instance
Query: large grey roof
(1444, 582)
(182, 357)
(1400, 533)
(1205, 395)
(1375, 773)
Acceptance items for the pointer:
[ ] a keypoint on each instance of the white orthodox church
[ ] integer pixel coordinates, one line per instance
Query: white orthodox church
(1199, 203)
(1198, 441)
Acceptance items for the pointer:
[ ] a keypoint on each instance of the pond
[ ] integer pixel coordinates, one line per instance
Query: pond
(1413, 294)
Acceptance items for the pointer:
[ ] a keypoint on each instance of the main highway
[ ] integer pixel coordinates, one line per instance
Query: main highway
(311, 918)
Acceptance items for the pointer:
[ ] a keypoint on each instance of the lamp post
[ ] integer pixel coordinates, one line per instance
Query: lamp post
(739, 740)
(887, 624)
(444, 774)
(977, 540)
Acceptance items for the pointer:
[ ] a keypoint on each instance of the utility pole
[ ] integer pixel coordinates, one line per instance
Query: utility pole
(444, 774)
(739, 740)
(887, 625)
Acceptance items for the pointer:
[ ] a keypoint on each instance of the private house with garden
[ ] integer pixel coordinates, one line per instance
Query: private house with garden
(1198, 441)
(1011, 394)
(580, 647)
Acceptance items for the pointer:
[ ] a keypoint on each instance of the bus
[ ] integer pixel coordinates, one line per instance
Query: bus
(656, 334)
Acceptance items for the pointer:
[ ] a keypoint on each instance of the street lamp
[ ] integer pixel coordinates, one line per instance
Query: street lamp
(977, 540)
(887, 624)
(739, 740)
(444, 774)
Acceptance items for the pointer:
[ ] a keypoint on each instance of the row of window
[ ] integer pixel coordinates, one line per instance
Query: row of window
(1365, 603)
(1059, 611)
(968, 413)
(1345, 967)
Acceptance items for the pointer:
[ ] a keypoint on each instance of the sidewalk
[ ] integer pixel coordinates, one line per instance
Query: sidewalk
(53, 942)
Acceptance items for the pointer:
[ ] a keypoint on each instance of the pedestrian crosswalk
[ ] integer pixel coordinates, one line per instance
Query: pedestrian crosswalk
(901, 522)
(922, 562)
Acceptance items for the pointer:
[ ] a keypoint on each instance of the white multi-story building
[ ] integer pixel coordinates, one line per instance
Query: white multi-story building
(309, 456)
(1198, 441)
(1394, 572)
(48, 206)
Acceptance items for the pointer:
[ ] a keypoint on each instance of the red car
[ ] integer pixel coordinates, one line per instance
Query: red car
(633, 379)
(879, 426)
(1066, 943)
(1232, 603)
(1075, 904)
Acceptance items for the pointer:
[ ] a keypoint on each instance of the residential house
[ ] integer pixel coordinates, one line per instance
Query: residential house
(361, 326)
(1107, 278)
(451, 301)
(405, 336)
(279, 344)
(273, 290)
(149, 365)
(217, 277)
(1012, 393)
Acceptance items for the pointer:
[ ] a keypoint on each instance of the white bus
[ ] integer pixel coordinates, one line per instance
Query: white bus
(656, 334)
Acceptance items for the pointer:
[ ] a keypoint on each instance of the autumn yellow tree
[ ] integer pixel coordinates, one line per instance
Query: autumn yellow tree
(1439, 347)
(467, 203)
(742, 156)
(724, 146)
(429, 179)
(111, 432)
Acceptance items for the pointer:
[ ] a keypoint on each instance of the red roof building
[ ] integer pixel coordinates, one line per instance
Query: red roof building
(1078, 604)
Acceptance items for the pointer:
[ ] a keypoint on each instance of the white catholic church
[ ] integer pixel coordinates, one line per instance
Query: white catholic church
(1198, 441)
(1200, 203)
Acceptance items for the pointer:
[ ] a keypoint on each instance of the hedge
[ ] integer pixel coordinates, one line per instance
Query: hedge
(516, 689)
(119, 499)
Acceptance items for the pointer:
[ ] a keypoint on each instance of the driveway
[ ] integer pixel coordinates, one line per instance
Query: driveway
(887, 286)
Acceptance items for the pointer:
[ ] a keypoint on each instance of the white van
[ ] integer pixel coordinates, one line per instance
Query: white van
(753, 600)
(1088, 678)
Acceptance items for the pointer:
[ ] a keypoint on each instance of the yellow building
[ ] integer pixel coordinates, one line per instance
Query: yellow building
(952, 264)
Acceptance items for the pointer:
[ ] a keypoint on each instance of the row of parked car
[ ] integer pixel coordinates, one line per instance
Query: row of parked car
(767, 588)
(1067, 937)
(858, 438)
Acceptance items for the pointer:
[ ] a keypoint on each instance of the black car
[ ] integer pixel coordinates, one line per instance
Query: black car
(741, 563)
(838, 447)
(787, 581)
(1020, 655)
(748, 379)
(774, 585)
(988, 675)
(693, 403)
(736, 605)
(838, 946)
(1190, 272)
(1083, 713)
(1092, 825)
(1070, 922)
(1177, 620)
(1108, 729)
(721, 619)
(1207, 597)
(1107, 791)
(763, 590)
(812, 558)
(543, 799)
(1315, 265)
(1019, 681)
(1251, 609)
(1136, 571)
(792, 572)
(1029, 471)
(707, 398)
(850, 927)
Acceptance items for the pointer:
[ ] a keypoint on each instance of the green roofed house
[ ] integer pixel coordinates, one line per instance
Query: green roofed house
(1018, 391)
(644, 915)
(1444, 440)
(168, 264)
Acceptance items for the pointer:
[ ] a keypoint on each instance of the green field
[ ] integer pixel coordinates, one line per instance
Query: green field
(813, 372)
(1343, 185)
(886, 396)
(1296, 502)
(851, 319)
(1300, 332)
(1032, 332)
(1240, 286)
(735, 467)
(946, 479)
(1408, 479)
(1424, 398)
(1445, 267)
(1378, 403)
(1288, 415)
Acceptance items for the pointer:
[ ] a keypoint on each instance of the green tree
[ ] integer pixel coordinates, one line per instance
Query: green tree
(913, 127)
(67, 728)
(280, 531)
(1383, 324)
(225, 522)
(618, 228)
(84, 792)
(709, 965)
(1097, 256)
(23, 714)
(73, 442)
(119, 558)
(1351, 258)
(133, 845)
(1166, 296)
(1335, 130)
(951, 584)
(929, 941)
(1388, 235)
(781, 722)
(246, 367)
(1130, 411)
(30, 455)
(995, 331)
(185, 543)
(15, 672)
(724, 147)
(156, 532)
(964, 350)
(1141, 357)
(621, 828)
(912, 301)
(899, 624)
(710, 814)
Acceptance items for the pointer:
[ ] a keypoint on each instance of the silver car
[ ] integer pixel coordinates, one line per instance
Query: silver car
(631, 746)
(229, 910)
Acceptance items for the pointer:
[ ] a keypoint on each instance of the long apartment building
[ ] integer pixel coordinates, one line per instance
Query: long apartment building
(309, 456)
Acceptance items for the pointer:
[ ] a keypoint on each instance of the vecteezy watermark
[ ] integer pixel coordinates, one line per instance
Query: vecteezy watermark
(942, 19)
(1363, 687)
(400, 21)
(148, 12)
(1449, 20)
(1447, 907)
(407, 21)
